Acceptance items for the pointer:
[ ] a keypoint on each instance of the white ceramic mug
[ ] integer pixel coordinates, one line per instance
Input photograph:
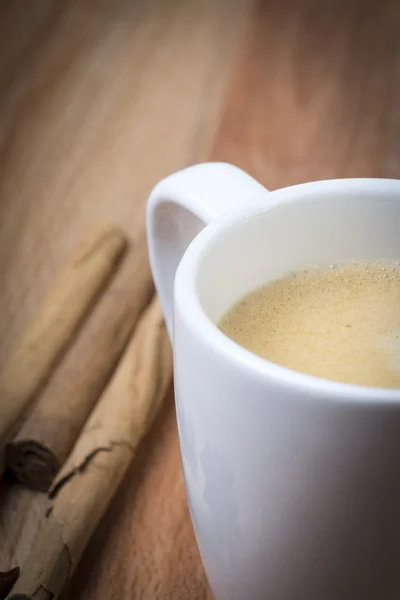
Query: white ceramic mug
(293, 481)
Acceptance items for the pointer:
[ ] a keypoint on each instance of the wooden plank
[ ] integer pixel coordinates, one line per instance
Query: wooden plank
(316, 95)
(113, 96)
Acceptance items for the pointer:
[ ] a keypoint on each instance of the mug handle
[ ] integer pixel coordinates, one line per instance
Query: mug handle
(180, 206)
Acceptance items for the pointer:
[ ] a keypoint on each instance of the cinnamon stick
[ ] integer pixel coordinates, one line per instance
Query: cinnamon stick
(47, 336)
(47, 435)
(22, 512)
(100, 458)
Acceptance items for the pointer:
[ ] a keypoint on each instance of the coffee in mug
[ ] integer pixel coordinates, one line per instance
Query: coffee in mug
(340, 323)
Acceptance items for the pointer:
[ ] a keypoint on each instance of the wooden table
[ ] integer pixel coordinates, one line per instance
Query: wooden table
(101, 98)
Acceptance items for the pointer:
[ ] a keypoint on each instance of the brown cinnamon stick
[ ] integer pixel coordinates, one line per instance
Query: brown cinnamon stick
(47, 435)
(22, 512)
(91, 475)
(61, 312)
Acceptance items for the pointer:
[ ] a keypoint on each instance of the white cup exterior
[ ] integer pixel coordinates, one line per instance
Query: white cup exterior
(292, 481)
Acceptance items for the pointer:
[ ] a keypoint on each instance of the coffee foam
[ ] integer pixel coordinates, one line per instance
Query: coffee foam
(340, 322)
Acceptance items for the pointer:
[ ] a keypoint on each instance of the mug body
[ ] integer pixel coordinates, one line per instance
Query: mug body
(292, 480)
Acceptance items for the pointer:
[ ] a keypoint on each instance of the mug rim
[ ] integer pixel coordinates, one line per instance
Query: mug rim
(187, 302)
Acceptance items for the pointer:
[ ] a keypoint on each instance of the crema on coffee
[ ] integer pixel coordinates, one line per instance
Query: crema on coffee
(340, 323)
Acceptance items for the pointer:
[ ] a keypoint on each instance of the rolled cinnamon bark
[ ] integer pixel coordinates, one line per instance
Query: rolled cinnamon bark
(99, 460)
(46, 437)
(67, 303)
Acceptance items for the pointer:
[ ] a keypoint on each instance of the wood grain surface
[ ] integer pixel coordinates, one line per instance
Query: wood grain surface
(316, 93)
(101, 98)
